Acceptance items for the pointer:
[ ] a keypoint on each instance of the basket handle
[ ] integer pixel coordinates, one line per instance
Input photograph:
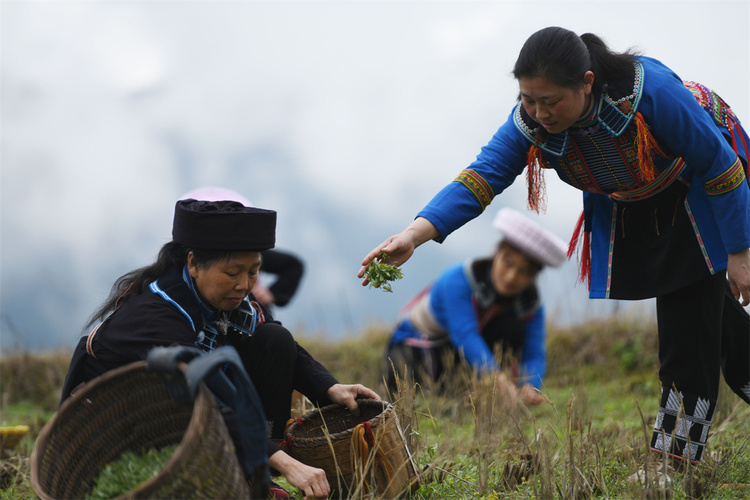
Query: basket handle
(224, 375)
(170, 362)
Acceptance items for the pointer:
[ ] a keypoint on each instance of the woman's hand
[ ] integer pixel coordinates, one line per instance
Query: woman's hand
(347, 395)
(738, 273)
(513, 395)
(310, 480)
(401, 246)
(507, 390)
(529, 395)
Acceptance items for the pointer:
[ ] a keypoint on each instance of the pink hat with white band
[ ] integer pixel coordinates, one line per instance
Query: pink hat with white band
(530, 238)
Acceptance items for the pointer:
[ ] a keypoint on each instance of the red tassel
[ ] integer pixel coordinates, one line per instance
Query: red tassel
(576, 236)
(369, 434)
(286, 445)
(744, 144)
(585, 267)
(646, 146)
(584, 262)
(537, 199)
(297, 421)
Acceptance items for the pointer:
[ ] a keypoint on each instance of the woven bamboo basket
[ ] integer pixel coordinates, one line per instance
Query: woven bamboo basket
(130, 409)
(361, 454)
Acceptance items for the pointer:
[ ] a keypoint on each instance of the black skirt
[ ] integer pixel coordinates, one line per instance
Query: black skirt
(656, 250)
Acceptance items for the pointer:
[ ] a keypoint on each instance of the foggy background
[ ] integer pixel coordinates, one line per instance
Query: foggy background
(345, 116)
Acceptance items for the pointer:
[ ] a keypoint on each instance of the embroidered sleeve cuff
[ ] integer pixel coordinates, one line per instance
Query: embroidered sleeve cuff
(729, 180)
(457, 203)
(478, 186)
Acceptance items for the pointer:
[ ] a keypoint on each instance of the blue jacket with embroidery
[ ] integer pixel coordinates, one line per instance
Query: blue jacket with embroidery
(697, 143)
(455, 305)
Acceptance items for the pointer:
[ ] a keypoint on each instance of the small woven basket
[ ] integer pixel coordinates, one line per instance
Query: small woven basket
(130, 409)
(361, 454)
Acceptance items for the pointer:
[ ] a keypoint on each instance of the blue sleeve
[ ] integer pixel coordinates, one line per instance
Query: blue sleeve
(451, 301)
(534, 355)
(678, 121)
(497, 166)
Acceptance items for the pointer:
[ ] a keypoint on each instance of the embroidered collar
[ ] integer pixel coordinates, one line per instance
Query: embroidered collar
(590, 120)
(616, 115)
(555, 144)
(613, 113)
(243, 320)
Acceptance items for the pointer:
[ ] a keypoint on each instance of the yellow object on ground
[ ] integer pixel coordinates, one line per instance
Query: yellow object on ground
(10, 436)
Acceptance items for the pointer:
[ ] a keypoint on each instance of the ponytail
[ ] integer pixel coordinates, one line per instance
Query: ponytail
(606, 64)
(562, 57)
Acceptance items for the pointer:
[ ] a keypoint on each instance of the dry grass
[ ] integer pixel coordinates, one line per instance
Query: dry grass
(602, 389)
(36, 377)
(593, 432)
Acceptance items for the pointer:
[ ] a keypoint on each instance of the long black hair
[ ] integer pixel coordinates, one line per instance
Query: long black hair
(131, 284)
(562, 57)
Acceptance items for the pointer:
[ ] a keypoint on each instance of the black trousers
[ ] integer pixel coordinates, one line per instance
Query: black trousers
(427, 364)
(423, 365)
(703, 331)
(269, 357)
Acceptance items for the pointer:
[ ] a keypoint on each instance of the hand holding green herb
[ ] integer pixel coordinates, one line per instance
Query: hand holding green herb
(379, 273)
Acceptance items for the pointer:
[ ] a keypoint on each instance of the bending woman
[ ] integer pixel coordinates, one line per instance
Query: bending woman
(480, 308)
(662, 164)
(198, 293)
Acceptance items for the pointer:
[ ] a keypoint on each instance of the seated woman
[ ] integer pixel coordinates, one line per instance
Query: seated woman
(480, 307)
(286, 268)
(198, 293)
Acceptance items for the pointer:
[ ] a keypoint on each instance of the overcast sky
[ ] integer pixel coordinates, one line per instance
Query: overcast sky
(345, 117)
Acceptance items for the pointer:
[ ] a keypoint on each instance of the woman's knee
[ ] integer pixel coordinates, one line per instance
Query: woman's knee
(275, 338)
(270, 351)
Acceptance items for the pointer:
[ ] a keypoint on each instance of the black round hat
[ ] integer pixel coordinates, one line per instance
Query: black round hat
(223, 225)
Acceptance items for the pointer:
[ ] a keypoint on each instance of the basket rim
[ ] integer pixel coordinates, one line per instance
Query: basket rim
(44, 434)
(387, 422)
(307, 417)
(201, 399)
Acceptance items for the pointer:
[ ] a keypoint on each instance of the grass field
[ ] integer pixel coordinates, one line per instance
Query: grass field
(592, 433)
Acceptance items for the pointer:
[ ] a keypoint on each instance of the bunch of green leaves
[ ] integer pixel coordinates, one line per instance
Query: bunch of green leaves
(129, 471)
(379, 274)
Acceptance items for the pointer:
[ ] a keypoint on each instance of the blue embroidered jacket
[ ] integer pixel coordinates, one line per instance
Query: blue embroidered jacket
(695, 132)
(460, 307)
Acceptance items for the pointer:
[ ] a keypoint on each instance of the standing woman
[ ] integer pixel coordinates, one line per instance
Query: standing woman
(198, 293)
(662, 164)
(479, 307)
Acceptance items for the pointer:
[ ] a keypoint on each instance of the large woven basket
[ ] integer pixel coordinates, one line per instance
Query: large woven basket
(361, 454)
(130, 409)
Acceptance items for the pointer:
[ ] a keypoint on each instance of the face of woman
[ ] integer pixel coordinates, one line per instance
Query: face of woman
(556, 108)
(512, 271)
(225, 283)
